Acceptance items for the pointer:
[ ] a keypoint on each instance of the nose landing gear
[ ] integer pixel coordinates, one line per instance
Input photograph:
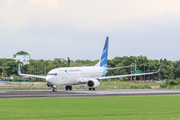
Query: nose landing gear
(54, 89)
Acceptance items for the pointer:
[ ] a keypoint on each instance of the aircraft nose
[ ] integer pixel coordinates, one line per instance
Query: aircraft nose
(49, 79)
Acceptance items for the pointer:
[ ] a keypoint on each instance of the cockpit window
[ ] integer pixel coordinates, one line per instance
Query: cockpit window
(53, 74)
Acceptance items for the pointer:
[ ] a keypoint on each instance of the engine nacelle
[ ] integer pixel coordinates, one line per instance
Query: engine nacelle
(50, 86)
(93, 83)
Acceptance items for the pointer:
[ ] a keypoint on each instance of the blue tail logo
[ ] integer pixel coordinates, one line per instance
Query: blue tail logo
(103, 61)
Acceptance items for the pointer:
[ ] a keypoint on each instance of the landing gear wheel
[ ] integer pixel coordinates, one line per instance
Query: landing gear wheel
(54, 89)
(89, 88)
(67, 87)
(93, 88)
(70, 87)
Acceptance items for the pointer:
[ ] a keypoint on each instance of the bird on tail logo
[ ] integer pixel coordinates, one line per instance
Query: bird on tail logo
(66, 71)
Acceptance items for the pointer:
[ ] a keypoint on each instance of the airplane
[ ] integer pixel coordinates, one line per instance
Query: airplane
(91, 76)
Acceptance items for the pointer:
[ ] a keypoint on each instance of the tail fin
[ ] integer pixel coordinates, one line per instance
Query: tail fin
(103, 61)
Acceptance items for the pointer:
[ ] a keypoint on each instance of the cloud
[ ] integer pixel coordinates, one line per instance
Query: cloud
(98, 15)
(19, 14)
(62, 28)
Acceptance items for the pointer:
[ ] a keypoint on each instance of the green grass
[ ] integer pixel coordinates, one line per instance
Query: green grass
(104, 85)
(126, 85)
(92, 108)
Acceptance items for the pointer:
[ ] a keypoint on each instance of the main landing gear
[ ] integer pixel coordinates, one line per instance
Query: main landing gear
(91, 88)
(69, 87)
(54, 89)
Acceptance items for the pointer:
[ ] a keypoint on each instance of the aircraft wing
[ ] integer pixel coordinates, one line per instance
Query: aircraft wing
(36, 76)
(120, 76)
(118, 67)
(28, 75)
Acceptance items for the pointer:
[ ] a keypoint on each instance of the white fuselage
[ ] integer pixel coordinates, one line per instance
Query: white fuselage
(72, 75)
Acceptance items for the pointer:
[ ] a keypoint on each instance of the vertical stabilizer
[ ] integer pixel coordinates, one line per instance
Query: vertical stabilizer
(103, 61)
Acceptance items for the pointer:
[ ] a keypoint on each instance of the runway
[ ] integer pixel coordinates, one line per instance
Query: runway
(84, 93)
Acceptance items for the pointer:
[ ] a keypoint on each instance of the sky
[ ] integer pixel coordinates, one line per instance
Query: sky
(49, 29)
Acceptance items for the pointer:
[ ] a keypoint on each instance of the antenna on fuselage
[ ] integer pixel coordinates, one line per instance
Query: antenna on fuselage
(69, 61)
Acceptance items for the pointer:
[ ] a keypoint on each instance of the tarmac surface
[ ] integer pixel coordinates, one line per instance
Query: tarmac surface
(84, 93)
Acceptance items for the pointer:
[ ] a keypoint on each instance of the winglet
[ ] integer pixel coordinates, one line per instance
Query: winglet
(19, 69)
(159, 68)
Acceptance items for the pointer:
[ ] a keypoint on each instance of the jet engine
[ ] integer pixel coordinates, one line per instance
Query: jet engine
(50, 86)
(93, 83)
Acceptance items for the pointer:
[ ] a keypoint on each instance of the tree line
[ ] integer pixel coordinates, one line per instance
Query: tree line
(169, 70)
